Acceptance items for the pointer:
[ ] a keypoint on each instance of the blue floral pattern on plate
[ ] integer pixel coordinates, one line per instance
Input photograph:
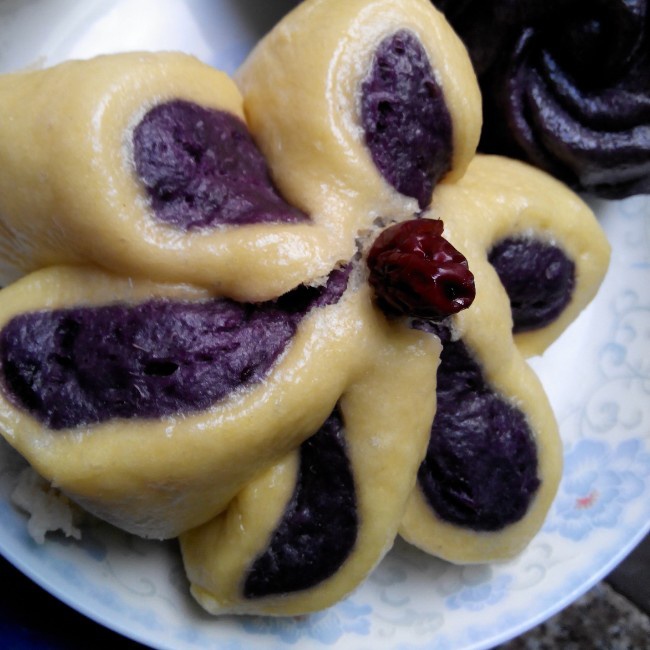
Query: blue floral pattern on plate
(326, 627)
(597, 376)
(600, 482)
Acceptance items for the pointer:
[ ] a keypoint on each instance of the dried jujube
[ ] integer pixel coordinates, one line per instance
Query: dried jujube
(415, 271)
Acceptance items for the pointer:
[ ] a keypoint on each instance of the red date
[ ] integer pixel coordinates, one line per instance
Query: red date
(415, 271)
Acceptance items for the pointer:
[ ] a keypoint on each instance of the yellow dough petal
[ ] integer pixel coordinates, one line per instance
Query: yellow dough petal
(384, 439)
(301, 86)
(516, 383)
(497, 199)
(500, 198)
(70, 193)
(158, 477)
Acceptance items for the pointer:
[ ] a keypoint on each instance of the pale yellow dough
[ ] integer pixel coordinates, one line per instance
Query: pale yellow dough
(301, 88)
(499, 198)
(157, 478)
(387, 415)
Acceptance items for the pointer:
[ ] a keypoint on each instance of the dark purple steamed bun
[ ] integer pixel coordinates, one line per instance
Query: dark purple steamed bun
(566, 86)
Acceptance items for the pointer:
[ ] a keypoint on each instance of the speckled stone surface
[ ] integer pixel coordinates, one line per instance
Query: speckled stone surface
(632, 577)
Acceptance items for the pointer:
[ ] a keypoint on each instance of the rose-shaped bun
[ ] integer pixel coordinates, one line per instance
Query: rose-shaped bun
(565, 86)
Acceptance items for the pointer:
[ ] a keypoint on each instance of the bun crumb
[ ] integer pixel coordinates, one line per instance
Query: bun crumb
(48, 509)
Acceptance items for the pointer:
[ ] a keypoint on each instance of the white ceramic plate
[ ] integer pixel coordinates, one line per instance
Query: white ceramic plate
(597, 376)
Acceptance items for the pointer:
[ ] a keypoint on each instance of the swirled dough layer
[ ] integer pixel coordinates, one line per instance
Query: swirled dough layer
(158, 476)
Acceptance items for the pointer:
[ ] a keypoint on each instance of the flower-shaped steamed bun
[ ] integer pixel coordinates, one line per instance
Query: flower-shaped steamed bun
(219, 368)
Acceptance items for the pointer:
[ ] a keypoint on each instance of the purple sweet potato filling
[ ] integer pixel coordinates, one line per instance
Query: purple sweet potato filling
(201, 169)
(407, 124)
(538, 277)
(480, 470)
(83, 365)
(319, 528)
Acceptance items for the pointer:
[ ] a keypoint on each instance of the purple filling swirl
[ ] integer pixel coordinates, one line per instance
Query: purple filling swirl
(201, 169)
(480, 470)
(319, 528)
(538, 278)
(84, 365)
(407, 124)
(565, 86)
